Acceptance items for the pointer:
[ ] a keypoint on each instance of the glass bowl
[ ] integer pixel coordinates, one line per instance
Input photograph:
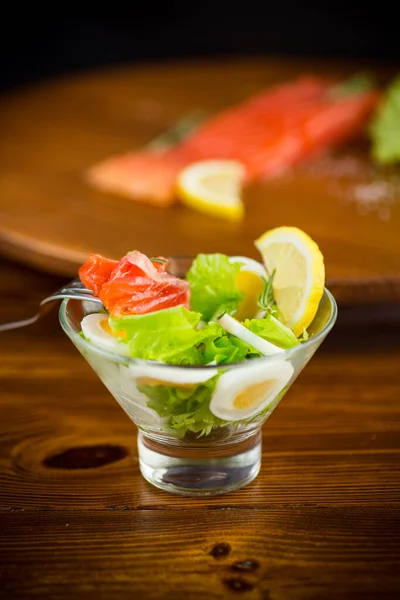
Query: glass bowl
(199, 428)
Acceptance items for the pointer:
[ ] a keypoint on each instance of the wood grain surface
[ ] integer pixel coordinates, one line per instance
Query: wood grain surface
(52, 133)
(321, 521)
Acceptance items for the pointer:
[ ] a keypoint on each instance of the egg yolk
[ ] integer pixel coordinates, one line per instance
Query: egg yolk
(253, 395)
(104, 324)
(250, 285)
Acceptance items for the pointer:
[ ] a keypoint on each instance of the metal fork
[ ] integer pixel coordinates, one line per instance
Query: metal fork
(74, 290)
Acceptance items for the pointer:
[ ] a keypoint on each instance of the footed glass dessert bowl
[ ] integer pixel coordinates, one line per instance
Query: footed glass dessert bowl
(199, 427)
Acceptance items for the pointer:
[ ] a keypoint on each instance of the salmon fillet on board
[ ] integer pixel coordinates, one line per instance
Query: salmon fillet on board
(267, 133)
(145, 176)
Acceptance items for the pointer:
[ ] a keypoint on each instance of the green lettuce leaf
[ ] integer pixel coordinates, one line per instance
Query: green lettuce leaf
(168, 335)
(213, 284)
(385, 127)
(221, 347)
(187, 407)
(228, 349)
(273, 331)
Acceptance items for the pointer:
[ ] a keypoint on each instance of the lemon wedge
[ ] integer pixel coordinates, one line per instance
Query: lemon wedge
(213, 187)
(299, 278)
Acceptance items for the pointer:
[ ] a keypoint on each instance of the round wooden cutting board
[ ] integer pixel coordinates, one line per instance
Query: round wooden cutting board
(51, 219)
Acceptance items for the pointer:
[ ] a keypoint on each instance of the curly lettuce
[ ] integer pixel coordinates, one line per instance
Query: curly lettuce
(273, 331)
(221, 347)
(169, 335)
(187, 407)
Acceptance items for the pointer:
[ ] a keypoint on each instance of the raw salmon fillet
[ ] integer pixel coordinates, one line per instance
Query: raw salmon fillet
(267, 133)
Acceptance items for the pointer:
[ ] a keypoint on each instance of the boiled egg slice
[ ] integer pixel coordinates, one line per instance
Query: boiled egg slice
(169, 375)
(96, 329)
(242, 393)
(144, 416)
(233, 326)
(134, 402)
(250, 283)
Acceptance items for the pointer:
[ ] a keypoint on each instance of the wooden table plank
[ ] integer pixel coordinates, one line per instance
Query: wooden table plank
(298, 552)
(77, 520)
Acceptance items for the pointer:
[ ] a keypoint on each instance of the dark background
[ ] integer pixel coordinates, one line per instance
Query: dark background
(36, 46)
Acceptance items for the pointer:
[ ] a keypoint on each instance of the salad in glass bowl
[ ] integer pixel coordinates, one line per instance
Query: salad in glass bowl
(199, 351)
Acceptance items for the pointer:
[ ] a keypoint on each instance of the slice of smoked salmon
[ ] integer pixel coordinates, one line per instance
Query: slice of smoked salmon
(96, 272)
(141, 295)
(133, 285)
(138, 264)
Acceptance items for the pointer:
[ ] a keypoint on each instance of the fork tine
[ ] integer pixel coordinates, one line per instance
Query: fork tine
(18, 324)
(72, 295)
(74, 291)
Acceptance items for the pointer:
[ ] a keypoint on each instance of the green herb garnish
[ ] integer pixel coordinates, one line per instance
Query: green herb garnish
(266, 300)
(178, 132)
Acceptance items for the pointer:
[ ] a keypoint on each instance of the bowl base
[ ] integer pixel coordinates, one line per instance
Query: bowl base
(180, 470)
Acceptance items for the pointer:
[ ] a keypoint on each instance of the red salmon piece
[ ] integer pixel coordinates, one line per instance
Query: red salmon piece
(96, 272)
(137, 264)
(142, 295)
(328, 124)
(135, 285)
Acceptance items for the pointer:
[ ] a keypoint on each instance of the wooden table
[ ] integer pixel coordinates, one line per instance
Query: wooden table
(321, 521)
(52, 132)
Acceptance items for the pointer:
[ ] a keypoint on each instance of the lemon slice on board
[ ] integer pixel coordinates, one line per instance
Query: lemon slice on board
(213, 187)
(299, 278)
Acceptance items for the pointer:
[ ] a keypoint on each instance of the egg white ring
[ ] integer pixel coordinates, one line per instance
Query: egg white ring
(122, 386)
(250, 265)
(142, 415)
(106, 370)
(261, 314)
(235, 328)
(135, 402)
(237, 380)
(172, 376)
(93, 331)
